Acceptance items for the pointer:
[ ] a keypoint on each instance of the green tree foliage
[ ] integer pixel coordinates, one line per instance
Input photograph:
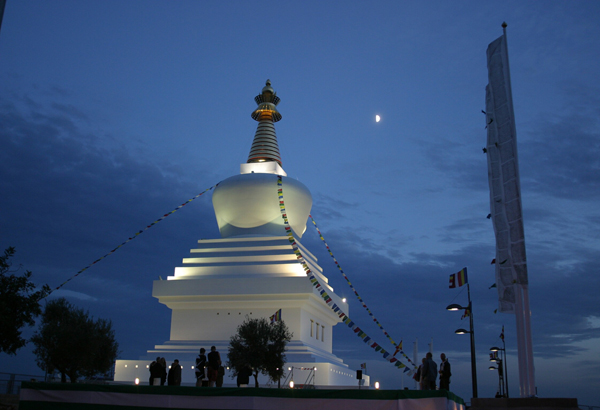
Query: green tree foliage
(259, 345)
(74, 344)
(19, 304)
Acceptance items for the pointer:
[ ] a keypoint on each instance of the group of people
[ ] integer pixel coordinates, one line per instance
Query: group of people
(159, 374)
(209, 371)
(427, 373)
(209, 368)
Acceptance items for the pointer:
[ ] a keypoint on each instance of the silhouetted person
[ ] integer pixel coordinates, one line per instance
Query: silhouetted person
(174, 377)
(200, 365)
(214, 361)
(243, 377)
(155, 372)
(445, 373)
(220, 375)
(163, 370)
(429, 372)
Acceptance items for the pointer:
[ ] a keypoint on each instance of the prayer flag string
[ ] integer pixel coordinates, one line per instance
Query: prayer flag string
(397, 346)
(131, 238)
(336, 309)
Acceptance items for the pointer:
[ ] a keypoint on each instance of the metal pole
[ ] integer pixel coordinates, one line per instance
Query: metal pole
(505, 367)
(473, 363)
(415, 359)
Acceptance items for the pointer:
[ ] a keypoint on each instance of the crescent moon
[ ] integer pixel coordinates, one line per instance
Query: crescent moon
(377, 118)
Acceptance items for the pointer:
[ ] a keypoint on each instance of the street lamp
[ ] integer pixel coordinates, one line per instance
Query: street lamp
(468, 309)
(502, 361)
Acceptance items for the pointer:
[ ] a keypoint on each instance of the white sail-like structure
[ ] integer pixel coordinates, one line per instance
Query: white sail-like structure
(506, 210)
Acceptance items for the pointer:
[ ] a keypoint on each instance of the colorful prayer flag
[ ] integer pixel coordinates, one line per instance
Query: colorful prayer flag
(459, 279)
(398, 348)
(452, 281)
(276, 317)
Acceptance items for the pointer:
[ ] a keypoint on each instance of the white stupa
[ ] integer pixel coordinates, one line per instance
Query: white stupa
(250, 271)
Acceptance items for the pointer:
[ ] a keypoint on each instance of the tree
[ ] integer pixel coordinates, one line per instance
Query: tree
(19, 304)
(260, 346)
(71, 342)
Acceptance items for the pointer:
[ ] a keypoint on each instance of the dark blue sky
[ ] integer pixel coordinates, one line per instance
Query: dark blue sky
(113, 113)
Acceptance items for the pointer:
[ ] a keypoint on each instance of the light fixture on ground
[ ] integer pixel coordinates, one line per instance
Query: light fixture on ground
(468, 311)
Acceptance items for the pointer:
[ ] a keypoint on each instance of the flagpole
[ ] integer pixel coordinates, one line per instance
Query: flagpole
(505, 363)
(415, 359)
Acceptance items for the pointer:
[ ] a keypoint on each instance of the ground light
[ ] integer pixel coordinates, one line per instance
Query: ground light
(137, 381)
(376, 385)
(291, 384)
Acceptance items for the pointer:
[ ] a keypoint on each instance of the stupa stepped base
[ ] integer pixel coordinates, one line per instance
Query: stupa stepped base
(331, 370)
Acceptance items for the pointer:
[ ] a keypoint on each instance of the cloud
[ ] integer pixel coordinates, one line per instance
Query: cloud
(560, 154)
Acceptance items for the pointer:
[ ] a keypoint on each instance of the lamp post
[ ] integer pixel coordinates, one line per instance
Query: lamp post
(500, 368)
(502, 362)
(471, 332)
(500, 386)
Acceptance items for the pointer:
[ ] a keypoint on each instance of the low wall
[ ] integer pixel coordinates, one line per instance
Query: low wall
(54, 396)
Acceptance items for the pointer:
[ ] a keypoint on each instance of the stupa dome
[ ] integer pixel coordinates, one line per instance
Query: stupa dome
(248, 205)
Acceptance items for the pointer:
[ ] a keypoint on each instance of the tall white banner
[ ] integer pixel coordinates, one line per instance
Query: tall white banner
(503, 173)
(506, 210)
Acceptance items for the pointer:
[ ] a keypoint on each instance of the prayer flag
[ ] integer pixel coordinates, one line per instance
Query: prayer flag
(459, 278)
(276, 317)
(502, 334)
(398, 348)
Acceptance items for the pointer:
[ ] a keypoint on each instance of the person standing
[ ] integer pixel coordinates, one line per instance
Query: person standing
(163, 370)
(214, 361)
(155, 372)
(429, 372)
(174, 377)
(243, 376)
(444, 373)
(220, 376)
(419, 374)
(200, 364)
